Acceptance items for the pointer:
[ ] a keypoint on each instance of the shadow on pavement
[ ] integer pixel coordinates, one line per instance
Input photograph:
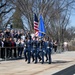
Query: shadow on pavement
(60, 61)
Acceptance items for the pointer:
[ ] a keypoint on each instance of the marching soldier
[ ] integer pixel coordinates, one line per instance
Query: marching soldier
(38, 50)
(41, 50)
(49, 48)
(34, 49)
(45, 48)
(27, 51)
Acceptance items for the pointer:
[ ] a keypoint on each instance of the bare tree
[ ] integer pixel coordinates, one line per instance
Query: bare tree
(59, 18)
(5, 7)
(56, 14)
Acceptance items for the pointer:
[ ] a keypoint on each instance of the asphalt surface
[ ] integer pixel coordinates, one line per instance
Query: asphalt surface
(68, 71)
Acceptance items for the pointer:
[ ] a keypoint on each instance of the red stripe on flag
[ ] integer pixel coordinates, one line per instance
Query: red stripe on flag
(37, 33)
(36, 25)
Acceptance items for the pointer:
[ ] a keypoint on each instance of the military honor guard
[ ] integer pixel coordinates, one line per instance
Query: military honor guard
(27, 51)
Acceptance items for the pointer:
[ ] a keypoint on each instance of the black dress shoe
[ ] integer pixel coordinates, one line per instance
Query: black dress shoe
(46, 59)
(42, 62)
(25, 59)
(28, 62)
(39, 60)
(35, 62)
(49, 63)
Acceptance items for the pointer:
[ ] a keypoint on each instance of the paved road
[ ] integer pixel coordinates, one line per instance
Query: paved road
(20, 67)
(68, 71)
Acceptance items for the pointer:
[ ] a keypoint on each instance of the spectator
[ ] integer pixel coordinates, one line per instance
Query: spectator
(55, 45)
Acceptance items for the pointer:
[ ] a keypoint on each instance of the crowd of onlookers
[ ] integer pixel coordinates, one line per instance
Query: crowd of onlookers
(12, 43)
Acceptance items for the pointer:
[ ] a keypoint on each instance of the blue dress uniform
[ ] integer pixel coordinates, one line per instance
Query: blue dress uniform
(34, 50)
(49, 48)
(41, 50)
(27, 51)
(45, 49)
(38, 51)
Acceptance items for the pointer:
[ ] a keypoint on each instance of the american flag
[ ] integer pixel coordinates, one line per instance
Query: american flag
(36, 25)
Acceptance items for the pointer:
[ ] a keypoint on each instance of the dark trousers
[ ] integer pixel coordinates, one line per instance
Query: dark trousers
(34, 54)
(3, 53)
(14, 54)
(49, 55)
(27, 54)
(20, 50)
(8, 52)
(41, 55)
(55, 48)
